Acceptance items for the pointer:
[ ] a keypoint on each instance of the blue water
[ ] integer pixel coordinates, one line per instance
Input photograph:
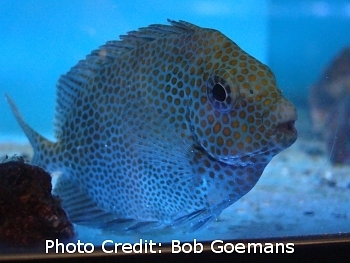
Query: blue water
(40, 40)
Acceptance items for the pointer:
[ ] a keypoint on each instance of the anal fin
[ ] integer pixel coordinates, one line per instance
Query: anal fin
(83, 210)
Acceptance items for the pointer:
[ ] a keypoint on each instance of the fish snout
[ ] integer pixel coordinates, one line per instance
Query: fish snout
(280, 123)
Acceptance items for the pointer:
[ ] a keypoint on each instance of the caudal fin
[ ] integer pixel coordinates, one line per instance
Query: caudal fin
(37, 141)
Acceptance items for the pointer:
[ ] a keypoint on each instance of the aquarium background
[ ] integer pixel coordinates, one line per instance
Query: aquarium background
(41, 40)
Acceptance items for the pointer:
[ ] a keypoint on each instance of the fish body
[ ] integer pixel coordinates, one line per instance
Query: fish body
(166, 127)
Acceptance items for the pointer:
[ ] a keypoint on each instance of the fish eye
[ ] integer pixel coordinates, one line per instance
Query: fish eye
(220, 93)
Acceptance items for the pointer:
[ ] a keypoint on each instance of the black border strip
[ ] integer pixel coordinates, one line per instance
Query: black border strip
(320, 248)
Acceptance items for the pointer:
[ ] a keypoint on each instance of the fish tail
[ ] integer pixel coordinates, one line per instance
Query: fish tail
(37, 141)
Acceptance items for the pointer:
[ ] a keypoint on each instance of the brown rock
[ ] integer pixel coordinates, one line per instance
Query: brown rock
(29, 213)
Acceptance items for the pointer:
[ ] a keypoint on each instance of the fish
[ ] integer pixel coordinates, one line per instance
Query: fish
(163, 128)
(329, 103)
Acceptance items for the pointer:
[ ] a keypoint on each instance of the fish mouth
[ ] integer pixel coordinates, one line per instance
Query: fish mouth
(285, 133)
(287, 127)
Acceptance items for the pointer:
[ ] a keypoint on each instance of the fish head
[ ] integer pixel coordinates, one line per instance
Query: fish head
(237, 112)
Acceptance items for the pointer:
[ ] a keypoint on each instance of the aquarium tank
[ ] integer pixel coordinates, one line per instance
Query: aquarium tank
(199, 128)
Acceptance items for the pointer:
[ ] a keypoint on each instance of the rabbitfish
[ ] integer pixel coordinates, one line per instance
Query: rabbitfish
(166, 127)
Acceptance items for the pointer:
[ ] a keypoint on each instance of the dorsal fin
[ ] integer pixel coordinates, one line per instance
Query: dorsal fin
(70, 84)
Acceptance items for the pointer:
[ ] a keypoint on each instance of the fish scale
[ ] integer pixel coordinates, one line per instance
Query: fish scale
(166, 127)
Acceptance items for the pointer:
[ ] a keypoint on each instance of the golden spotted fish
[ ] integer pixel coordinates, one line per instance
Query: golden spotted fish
(167, 126)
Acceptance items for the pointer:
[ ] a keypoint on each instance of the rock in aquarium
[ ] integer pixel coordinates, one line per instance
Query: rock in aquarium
(29, 213)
